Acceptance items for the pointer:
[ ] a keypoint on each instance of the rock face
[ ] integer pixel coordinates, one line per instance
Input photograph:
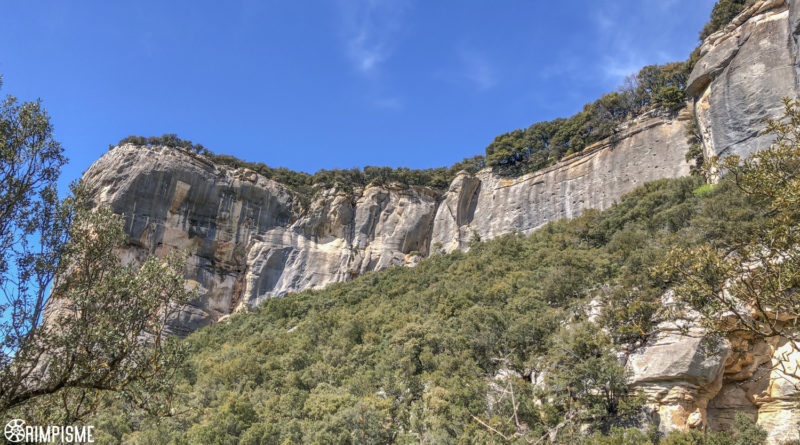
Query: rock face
(759, 379)
(489, 205)
(744, 71)
(249, 239)
(692, 381)
(679, 373)
(246, 236)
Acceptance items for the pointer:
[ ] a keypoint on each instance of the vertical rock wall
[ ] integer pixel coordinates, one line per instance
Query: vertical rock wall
(249, 239)
(649, 148)
(744, 71)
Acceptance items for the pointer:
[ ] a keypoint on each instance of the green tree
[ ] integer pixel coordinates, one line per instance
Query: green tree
(722, 13)
(751, 282)
(75, 323)
(585, 383)
(619, 436)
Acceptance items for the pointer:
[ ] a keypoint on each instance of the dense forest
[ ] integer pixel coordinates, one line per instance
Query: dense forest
(413, 355)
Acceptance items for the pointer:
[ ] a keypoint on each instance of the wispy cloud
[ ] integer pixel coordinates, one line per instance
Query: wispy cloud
(620, 63)
(622, 51)
(370, 30)
(477, 69)
(388, 103)
(471, 68)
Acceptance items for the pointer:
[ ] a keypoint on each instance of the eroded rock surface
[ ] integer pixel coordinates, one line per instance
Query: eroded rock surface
(246, 236)
(696, 380)
(489, 205)
(249, 239)
(743, 73)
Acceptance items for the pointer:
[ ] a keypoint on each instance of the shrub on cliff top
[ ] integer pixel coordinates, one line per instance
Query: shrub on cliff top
(166, 140)
(722, 14)
(545, 143)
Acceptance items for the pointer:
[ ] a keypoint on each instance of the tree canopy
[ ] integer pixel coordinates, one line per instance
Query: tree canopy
(751, 282)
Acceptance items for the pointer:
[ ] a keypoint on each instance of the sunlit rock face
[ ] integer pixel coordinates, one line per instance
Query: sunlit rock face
(744, 71)
(695, 380)
(489, 205)
(679, 372)
(249, 238)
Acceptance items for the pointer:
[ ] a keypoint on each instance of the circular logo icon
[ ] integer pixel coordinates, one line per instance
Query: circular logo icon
(15, 431)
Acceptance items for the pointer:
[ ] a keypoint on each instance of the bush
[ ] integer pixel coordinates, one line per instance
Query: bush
(166, 140)
(724, 11)
(545, 143)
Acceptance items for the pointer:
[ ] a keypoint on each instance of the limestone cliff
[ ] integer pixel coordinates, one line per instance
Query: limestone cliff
(743, 73)
(489, 205)
(249, 239)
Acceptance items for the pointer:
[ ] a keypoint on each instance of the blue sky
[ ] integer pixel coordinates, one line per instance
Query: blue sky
(329, 83)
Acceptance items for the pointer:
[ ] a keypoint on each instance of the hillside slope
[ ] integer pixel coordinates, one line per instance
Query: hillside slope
(430, 354)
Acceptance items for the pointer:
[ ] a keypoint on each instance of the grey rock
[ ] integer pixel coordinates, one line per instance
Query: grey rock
(248, 239)
(693, 358)
(743, 74)
(650, 148)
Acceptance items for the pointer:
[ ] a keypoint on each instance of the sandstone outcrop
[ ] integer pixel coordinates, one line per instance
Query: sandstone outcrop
(696, 381)
(693, 379)
(246, 236)
(679, 372)
(489, 205)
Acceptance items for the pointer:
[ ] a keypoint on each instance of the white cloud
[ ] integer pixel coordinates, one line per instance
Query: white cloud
(370, 30)
(621, 64)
